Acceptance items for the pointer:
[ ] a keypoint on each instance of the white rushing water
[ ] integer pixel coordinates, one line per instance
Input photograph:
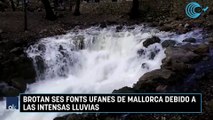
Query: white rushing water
(109, 61)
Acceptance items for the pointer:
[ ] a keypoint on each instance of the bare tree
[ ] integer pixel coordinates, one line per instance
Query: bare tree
(71, 4)
(77, 8)
(134, 12)
(17, 3)
(3, 5)
(49, 12)
(12, 5)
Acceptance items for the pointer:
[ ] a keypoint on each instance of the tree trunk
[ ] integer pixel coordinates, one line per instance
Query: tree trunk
(55, 4)
(17, 3)
(25, 15)
(134, 13)
(70, 1)
(12, 5)
(49, 12)
(77, 8)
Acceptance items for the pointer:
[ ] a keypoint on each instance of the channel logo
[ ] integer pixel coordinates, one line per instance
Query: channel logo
(194, 10)
(12, 103)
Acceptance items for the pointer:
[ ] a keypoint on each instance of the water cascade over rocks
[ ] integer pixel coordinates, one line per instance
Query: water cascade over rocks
(93, 60)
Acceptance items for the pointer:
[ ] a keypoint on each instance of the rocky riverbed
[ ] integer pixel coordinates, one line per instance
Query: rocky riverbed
(187, 67)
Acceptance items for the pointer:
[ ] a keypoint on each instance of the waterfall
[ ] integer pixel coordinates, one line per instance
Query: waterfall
(92, 60)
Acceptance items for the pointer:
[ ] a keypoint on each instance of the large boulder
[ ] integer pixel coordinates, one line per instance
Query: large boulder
(125, 90)
(181, 55)
(179, 59)
(19, 84)
(7, 90)
(151, 80)
(168, 43)
(190, 40)
(151, 41)
(17, 71)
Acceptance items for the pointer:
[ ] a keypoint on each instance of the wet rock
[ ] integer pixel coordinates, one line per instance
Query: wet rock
(201, 49)
(119, 28)
(190, 40)
(153, 53)
(19, 84)
(181, 55)
(17, 66)
(188, 47)
(168, 43)
(141, 52)
(177, 66)
(103, 25)
(151, 80)
(60, 118)
(60, 48)
(40, 64)
(144, 66)
(181, 59)
(156, 74)
(125, 90)
(41, 47)
(7, 90)
(79, 42)
(151, 41)
(161, 88)
(2, 85)
(25, 69)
